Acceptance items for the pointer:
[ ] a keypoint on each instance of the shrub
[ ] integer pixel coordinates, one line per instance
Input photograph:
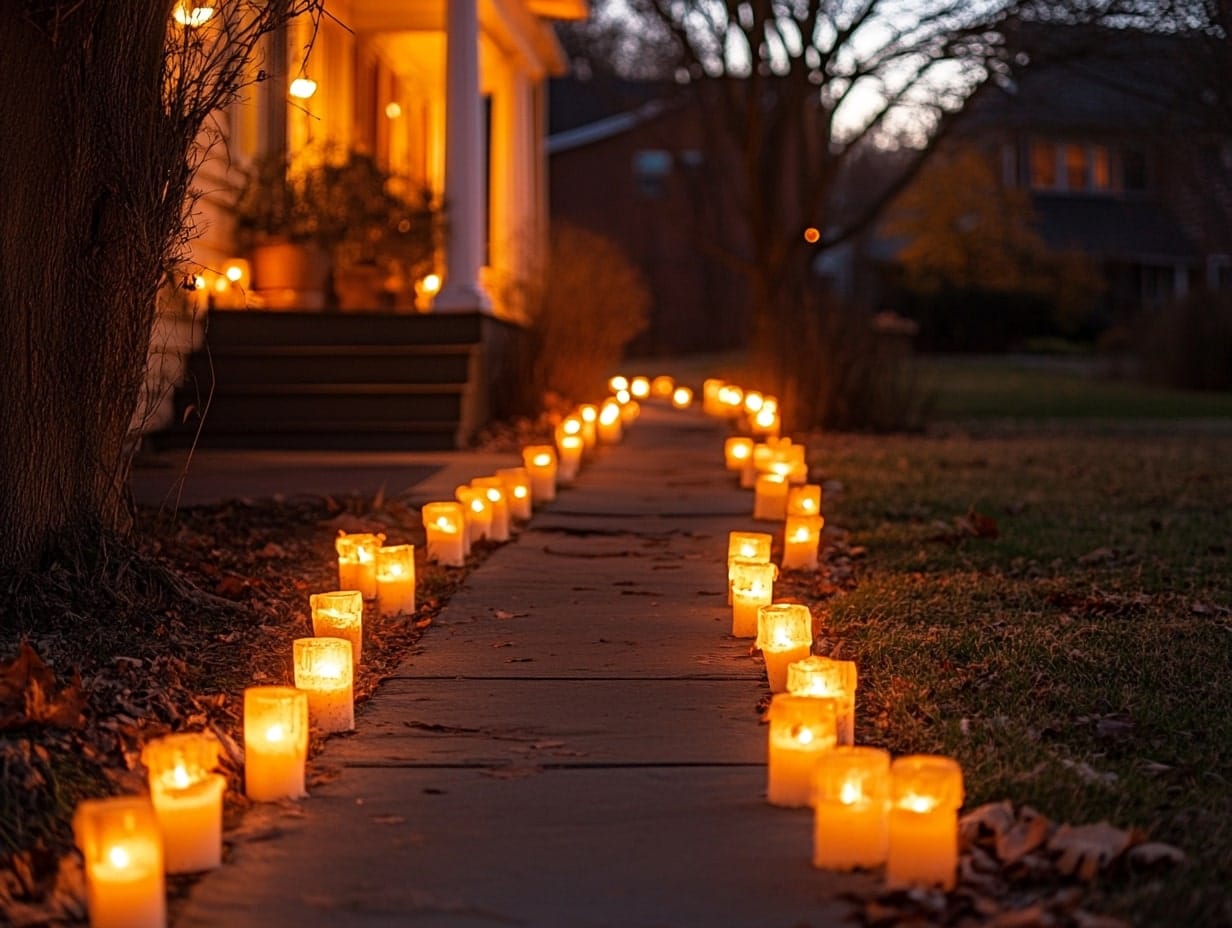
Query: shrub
(589, 305)
(1188, 344)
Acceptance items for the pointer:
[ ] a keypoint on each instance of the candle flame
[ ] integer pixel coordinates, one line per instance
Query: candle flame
(753, 401)
(542, 459)
(618, 383)
(179, 776)
(519, 492)
(275, 733)
(363, 554)
(118, 857)
(445, 525)
(766, 418)
(623, 397)
(495, 495)
(330, 669)
(740, 451)
(571, 426)
(589, 414)
(748, 549)
(800, 534)
(918, 803)
(395, 570)
(478, 505)
(850, 793)
(804, 735)
(609, 414)
(782, 640)
(640, 387)
(807, 504)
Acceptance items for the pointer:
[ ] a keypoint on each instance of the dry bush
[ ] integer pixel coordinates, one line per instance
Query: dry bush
(590, 304)
(1188, 344)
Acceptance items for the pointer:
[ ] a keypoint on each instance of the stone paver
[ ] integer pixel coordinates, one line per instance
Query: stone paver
(575, 744)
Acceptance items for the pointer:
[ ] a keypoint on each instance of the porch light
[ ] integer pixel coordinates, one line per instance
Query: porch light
(302, 87)
(192, 16)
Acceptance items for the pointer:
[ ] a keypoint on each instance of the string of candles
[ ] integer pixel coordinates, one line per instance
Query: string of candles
(868, 810)
(128, 843)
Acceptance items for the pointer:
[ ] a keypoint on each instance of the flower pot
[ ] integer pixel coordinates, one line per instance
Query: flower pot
(289, 275)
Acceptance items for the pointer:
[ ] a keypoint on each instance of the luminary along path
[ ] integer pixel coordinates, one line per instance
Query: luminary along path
(785, 635)
(122, 853)
(540, 464)
(187, 797)
(801, 729)
(324, 670)
(851, 793)
(752, 587)
(926, 793)
(340, 614)
(826, 678)
(445, 528)
(357, 562)
(395, 582)
(275, 742)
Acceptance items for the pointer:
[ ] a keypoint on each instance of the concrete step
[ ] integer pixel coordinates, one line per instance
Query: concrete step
(227, 365)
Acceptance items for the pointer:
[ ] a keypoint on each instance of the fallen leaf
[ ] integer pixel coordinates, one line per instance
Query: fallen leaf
(28, 694)
(1155, 854)
(977, 524)
(1085, 849)
(1029, 832)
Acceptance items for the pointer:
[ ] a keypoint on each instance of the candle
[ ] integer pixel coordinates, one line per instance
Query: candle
(629, 412)
(736, 452)
(187, 799)
(662, 386)
(340, 614)
(824, 677)
(569, 448)
(804, 500)
(478, 512)
(123, 860)
(617, 383)
(498, 503)
(517, 491)
(752, 586)
(682, 397)
(731, 400)
(785, 635)
(801, 537)
(710, 396)
(609, 424)
(747, 546)
(801, 728)
(851, 791)
(766, 422)
(753, 401)
(275, 742)
(357, 562)
(445, 527)
(925, 794)
(639, 387)
(540, 463)
(770, 501)
(395, 584)
(323, 671)
(590, 419)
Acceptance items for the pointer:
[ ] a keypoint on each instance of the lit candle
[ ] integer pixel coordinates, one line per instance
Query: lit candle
(804, 500)
(187, 799)
(569, 448)
(323, 670)
(445, 528)
(710, 396)
(617, 383)
(770, 501)
(737, 451)
(746, 546)
(752, 586)
(498, 502)
(340, 614)
(629, 412)
(590, 419)
(801, 728)
(517, 491)
(731, 400)
(851, 791)
(275, 742)
(609, 424)
(801, 537)
(540, 464)
(639, 387)
(785, 635)
(395, 582)
(478, 512)
(357, 562)
(925, 794)
(826, 678)
(766, 421)
(682, 397)
(123, 859)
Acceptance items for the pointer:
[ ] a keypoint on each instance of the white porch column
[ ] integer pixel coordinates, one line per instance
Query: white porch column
(464, 181)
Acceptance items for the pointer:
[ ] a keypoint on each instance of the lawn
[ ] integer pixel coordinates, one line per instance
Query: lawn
(1081, 661)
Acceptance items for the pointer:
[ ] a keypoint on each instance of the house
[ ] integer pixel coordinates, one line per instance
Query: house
(629, 159)
(1108, 132)
(449, 96)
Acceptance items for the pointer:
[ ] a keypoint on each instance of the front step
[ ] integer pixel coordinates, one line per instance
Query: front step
(371, 381)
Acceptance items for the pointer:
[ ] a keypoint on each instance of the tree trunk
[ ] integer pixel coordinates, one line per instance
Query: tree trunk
(84, 224)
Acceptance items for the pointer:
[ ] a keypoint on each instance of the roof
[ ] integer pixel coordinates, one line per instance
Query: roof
(574, 102)
(1111, 228)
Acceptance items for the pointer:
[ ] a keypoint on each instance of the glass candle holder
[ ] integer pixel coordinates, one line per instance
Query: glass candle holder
(517, 491)
(746, 546)
(323, 670)
(801, 542)
(498, 502)
(824, 677)
(770, 499)
(801, 728)
(540, 464)
(804, 500)
(784, 635)
(187, 797)
(752, 587)
(736, 452)
(610, 423)
(275, 742)
(926, 793)
(122, 854)
(569, 452)
(478, 512)
(357, 561)
(395, 583)
(682, 398)
(662, 387)
(340, 614)
(851, 792)
(445, 528)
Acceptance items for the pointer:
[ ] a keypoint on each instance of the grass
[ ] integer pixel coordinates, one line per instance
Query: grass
(1081, 662)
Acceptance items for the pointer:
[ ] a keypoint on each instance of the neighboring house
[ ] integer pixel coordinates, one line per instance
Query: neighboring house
(1107, 132)
(629, 160)
(451, 96)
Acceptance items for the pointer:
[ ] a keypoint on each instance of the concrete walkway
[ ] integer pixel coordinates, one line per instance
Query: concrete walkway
(577, 744)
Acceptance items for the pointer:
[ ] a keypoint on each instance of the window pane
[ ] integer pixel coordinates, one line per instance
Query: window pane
(1043, 165)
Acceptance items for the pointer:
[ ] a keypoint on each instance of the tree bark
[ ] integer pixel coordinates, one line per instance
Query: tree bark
(86, 179)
